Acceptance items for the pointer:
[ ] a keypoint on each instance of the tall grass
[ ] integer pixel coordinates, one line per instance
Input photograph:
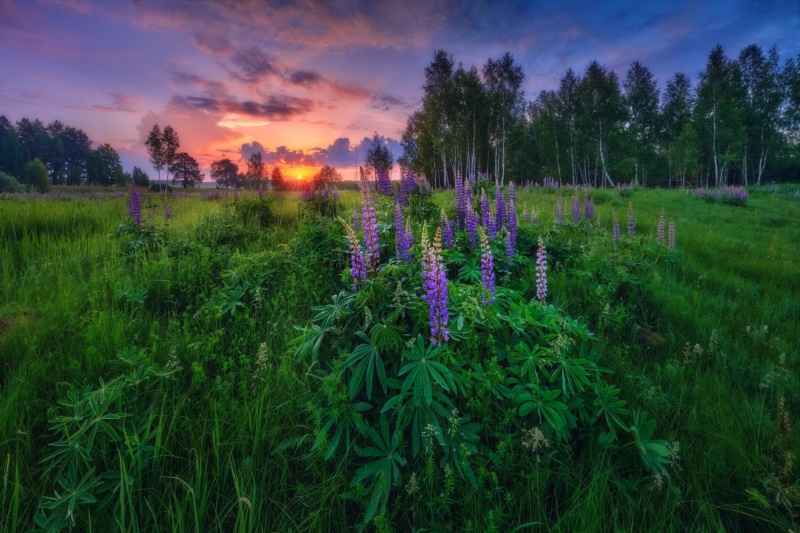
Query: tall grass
(230, 435)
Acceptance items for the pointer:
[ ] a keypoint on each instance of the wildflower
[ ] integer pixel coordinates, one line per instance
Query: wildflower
(534, 216)
(541, 271)
(472, 227)
(671, 242)
(335, 194)
(511, 239)
(486, 215)
(409, 238)
(399, 232)
(413, 485)
(533, 439)
(560, 213)
(576, 209)
(436, 290)
(512, 196)
(461, 208)
(358, 267)
(631, 219)
(448, 230)
(525, 214)
(167, 211)
(658, 481)
(135, 206)
(487, 269)
(384, 182)
(660, 230)
(590, 209)
(499, 207)
(370, 225)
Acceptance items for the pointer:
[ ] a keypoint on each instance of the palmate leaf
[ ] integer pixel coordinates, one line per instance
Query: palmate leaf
(384, 469)
(654, 453)
(423, 370)
(610, 407)
(470, 273)
(386, 336)
(545, 404)
(529, 359)
(342, 306)
(572, 374)
(365, 360)
(310, 341)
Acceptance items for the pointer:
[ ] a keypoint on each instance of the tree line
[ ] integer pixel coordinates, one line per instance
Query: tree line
(739, 124)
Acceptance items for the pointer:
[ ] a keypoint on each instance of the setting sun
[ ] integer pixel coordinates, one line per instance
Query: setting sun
(299, 177)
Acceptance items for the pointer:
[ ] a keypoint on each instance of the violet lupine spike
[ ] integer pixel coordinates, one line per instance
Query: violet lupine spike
(616, 232)
(512, 196)
(511, 238)
(499, 208)
(356, 221)
(586, 205)
(370, 226)
(472, 227)
(631, 220)
(447, 231)
(358, 264)
(399, 232)
(384, 182)
(590, 210)
(409, 240)
(671, 234)
(576, 210)
(541, 271)
(534, 216)
(435, 285)
(461, 211)
(525, 214)
(486, 214)
(560, 213)
(660, 234)
(135, 206)
(487, 270)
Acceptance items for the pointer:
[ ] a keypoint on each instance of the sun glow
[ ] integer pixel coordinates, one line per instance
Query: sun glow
(299, 177)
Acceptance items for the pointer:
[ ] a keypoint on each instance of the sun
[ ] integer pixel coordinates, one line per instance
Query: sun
(299, 177)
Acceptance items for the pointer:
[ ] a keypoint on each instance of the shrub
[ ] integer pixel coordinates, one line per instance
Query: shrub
(9, 184)
(35, 175)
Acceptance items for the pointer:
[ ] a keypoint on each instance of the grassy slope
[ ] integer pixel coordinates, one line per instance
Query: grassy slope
(61, 323)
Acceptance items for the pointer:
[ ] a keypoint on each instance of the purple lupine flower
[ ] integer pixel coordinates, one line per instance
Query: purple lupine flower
(576, 209)
(407, 183)
(631, 220)
(436, 291)
(616, 227)
(534, 216)
(512, 197)
(356, 221)
(409, 240)
(590, 210)
(487, 269)
(541, 271)
(167, 211)
(399, 232)
(586, 204)
(511, 239)
(384, 182)
(447, 231)
(461, 204)
(671, 234)
(358, 265)
(525, 214)
(370, 226)
(472, 227)
(661, 227)
(499, 208)
(486, 214)
(335, 194)
(560, 213)
(135, 206)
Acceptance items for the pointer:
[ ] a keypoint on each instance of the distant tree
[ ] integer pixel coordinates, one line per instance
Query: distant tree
(35, 175)
(326, 176)
(185, 170)
(256, 169)
(155, 147)
(103, 166)
(8, 184)
(503, 78)
(641, 97)
(140, 177)
(379, 162)
(676, 116)
(224, 172)
(277, 178)
(77, 147)
(171, 143)
(12, 153)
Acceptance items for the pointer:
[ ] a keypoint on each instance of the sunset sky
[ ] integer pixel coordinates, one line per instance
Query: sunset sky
(309, 82)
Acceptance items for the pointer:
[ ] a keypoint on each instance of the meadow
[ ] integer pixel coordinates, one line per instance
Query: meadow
(216, 371)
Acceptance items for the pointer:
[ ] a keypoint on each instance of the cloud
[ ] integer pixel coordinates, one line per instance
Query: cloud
(305, 78)
(254, 65)
(340, 153)
(273, 108)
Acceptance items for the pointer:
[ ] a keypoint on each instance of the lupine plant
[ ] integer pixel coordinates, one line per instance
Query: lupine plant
(511, 238)
(631, 220)
(448, 230)
(499, 207)
(576, 210)
(435, 284)
(671, 234)
(370, 226)
(487, 269)
(560, 213)
(660, 230)
(615, 230)
(135, 206)
(358, 263)
(541, 271)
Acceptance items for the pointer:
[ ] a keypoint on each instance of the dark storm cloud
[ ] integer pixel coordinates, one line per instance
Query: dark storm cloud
(273, 108)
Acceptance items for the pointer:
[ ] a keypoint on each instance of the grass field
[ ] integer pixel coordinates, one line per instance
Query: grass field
(148, 379)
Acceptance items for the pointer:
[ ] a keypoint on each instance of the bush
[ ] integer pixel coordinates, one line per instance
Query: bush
(35, 175)
(9, 184)
(260, 210)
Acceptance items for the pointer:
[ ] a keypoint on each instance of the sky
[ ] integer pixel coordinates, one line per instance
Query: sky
(308, 83)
